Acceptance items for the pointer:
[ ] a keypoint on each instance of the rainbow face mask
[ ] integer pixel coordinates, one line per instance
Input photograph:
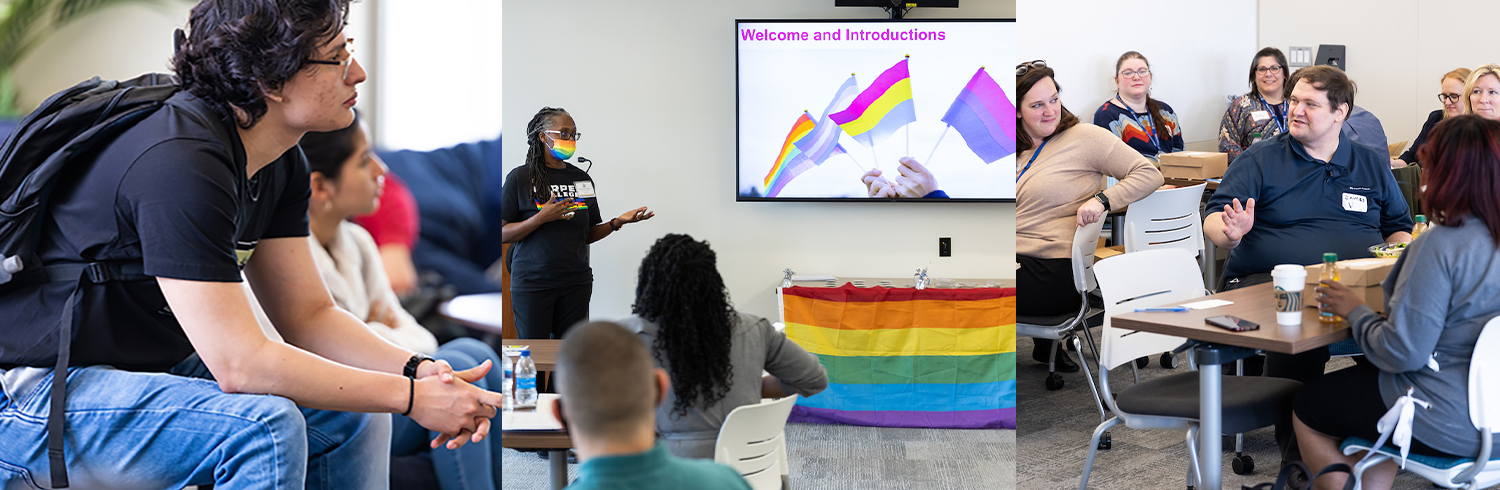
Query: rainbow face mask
(562, 149)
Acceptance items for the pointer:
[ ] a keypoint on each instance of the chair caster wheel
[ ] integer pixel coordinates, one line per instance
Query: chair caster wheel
(1242, 464)
(1168, 361)
(1054, 382)
(1105, 442)
(1142, 362)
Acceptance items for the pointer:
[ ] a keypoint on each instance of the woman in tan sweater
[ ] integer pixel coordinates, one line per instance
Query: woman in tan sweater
(1060, 170)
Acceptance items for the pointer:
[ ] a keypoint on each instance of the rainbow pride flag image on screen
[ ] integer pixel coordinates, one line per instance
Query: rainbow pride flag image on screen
(981, 114)
(899, 357)
(790, 162)
(880, 109)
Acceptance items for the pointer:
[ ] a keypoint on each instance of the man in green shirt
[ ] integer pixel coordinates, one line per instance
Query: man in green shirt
(609, 393)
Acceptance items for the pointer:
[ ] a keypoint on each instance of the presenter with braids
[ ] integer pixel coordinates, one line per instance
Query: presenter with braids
(713, 354)
(550, 214)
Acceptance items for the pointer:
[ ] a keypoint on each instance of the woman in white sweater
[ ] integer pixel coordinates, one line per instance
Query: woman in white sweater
(346, 181)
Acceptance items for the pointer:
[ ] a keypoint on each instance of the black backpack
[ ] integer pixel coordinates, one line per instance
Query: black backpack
(68, 129)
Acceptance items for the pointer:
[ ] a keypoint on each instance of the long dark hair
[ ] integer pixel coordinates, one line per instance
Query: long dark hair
(1286, 74)
(681, 291)
(536, 162)
(1023, 85)
(1153, 106)
(1461, 171)
(327, 151)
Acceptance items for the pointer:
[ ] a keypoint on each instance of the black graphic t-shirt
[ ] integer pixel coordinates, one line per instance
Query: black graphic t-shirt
(556, 254)
(171, 192)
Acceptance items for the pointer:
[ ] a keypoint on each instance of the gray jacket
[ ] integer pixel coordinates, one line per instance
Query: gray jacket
(1438, 297)
(756, 347)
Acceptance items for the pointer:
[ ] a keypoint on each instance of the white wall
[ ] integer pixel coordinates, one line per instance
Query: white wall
(439, 78)
(121, 42)
(1197, 58)
(653, 88)
(1397, 49)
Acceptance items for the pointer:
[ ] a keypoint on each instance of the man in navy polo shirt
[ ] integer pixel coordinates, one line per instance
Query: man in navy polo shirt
(1299, 194)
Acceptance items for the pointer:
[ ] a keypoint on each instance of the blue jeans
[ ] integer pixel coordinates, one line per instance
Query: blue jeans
(160, 430)
(473, 466)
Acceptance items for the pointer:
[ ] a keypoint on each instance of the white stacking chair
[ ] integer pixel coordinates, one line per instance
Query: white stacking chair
(753, 442)
(1168, 218)
(1482, 471)
(1065, 328)
(1154, 278)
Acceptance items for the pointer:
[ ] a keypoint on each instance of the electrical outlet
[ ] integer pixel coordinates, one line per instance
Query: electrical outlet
(945, 247)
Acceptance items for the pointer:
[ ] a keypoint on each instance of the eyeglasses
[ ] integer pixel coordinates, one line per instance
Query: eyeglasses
(345, 63)
(1024, 68)
(565, 136)
(1267, 69)
(1143, 73)
(1445, 98)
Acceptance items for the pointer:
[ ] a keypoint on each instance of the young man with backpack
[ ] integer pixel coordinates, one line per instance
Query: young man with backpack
(130, 270)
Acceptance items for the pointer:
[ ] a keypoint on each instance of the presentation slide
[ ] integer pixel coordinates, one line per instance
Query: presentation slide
(824, 105)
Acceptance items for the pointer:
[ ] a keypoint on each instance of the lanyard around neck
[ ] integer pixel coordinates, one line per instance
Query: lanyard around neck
(1278, 113)
(1150, 129)
(1031, 161)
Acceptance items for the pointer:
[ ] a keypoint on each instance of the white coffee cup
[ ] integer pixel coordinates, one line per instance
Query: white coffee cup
(1288, 280)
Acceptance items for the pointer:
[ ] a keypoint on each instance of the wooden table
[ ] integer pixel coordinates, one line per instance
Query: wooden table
(543, 351)
(556, 442)
(1218, 346)
(1190, 183)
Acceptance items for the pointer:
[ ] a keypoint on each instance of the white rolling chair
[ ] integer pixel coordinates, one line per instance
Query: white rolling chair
(1482, 471)
(753, 442)
(1153, 278)
(1066, 327)
(1168, 218)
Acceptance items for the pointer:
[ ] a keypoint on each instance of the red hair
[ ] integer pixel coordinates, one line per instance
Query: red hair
(1461, 170)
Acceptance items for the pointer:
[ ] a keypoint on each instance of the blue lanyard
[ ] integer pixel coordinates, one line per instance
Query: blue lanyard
(1031, 161)
(1278, 116)
(1150, 130)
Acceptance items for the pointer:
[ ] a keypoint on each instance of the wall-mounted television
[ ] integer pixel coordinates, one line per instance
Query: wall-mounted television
(823, 103)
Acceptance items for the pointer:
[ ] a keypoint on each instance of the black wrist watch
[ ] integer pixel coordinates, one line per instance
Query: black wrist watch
(1103, 199)
(416, 360)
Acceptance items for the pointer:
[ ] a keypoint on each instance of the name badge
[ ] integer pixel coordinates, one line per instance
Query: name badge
(1356, 203)
(585, 188)
(1259, 116)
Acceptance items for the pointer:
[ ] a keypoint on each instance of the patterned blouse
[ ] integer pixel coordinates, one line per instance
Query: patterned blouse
(1248, 121)
(1118, 121)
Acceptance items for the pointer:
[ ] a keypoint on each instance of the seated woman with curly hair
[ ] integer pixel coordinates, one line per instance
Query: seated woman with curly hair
(714, 354)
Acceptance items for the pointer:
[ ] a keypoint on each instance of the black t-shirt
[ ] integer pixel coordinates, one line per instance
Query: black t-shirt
(172, 193)
(556, 254)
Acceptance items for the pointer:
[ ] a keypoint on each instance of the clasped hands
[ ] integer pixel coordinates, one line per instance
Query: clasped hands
(914, 181)
(445, 401)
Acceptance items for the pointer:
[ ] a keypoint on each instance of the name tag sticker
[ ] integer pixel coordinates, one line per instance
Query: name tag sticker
(1259, 116)
(1356, 203)
(585, 188)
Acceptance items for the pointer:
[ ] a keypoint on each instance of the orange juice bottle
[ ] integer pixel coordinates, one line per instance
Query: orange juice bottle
(1330, 272)
(1419, 226)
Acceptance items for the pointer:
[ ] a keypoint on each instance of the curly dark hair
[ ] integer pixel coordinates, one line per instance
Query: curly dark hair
(536, 162)
(681, 291)
(236, 50)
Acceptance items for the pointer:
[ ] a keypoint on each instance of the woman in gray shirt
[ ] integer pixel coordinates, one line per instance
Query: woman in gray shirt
(1439, 296)
(714, 354)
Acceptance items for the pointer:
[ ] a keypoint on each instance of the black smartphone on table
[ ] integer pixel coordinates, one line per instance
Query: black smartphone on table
(1232, 323)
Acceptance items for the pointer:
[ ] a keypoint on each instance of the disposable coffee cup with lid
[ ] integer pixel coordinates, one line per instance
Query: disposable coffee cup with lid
(1288, 281)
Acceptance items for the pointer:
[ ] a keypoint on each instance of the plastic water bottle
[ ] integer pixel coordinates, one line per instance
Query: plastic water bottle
(505, 386)
(525, 381)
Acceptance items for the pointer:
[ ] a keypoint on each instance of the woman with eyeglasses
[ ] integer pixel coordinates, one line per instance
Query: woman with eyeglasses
(550, 215)
(1260, 113)
(1146, 124)
(1483, 89)
(1451, 95)
(1060, 170)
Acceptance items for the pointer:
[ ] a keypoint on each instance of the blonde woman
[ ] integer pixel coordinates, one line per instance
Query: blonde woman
(1452, 96)
(1483, 89)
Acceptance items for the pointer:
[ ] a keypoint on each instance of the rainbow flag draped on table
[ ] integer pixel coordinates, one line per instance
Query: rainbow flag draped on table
(899, 357)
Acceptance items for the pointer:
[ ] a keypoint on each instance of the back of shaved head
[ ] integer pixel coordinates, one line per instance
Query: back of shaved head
(605, 378)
